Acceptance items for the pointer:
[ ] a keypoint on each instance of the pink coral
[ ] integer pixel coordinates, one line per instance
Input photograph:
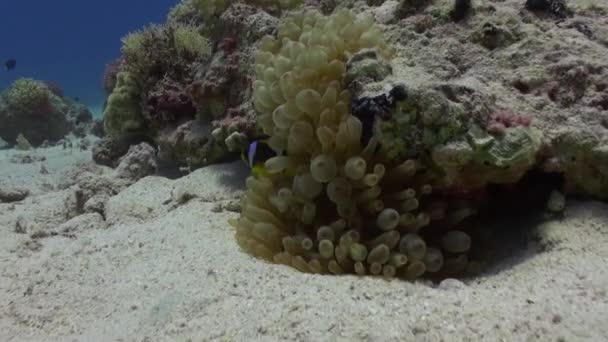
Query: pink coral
(503, 119)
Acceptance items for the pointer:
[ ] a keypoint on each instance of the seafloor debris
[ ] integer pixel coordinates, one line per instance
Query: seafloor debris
(26, 158)
(8, 195)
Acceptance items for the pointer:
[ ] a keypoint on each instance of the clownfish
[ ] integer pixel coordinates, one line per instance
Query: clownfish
(257, 154)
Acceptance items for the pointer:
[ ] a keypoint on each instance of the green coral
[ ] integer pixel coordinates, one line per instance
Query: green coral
(442, 126)
(507, 157)
(584, 162)
(183, 12)
(147, 52)
(517, 145)
(479, 158)
(276, 6)
(123, 113)
(366, 67)
(425, 119)
(27, 96)
(159, 51)
(190, 43)
(210, 9)
(133, 43)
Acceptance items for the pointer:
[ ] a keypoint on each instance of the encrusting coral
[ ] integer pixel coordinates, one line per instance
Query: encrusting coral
(327, 203)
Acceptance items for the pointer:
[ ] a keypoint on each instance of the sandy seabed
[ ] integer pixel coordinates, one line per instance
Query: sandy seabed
(162, 266)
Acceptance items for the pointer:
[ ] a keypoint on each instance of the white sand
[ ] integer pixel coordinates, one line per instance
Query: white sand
(158, 270)
(57, 161)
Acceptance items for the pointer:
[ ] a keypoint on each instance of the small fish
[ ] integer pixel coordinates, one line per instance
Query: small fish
(10, 64)
(257, 153)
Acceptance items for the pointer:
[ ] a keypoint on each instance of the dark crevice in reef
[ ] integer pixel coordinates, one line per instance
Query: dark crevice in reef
(502, 232)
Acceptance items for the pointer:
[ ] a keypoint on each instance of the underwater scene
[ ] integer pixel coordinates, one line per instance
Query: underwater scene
(304, 170)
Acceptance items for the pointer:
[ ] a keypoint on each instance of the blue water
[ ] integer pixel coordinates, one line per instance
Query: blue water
(70, 41)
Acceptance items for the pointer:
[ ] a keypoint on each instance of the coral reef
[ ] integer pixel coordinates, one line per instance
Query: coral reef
(180, 76)
(329, 204)
(28, 96)
(378, 160)
(383, 187)
(39, 112)
(453, 129)
(169, 102)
